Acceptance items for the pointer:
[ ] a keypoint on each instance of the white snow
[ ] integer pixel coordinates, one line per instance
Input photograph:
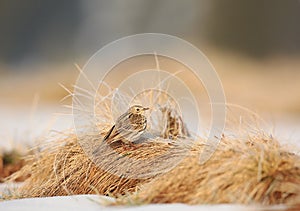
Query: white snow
(93, 202)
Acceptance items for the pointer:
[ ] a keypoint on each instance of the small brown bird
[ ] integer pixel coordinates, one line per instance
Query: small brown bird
(129, 126)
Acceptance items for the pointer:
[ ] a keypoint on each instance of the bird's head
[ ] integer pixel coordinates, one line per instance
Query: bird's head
(137, 109)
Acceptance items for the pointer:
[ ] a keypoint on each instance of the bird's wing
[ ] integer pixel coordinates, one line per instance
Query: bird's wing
(109, 133)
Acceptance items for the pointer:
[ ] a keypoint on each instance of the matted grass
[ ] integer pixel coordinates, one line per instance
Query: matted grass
(257, 171)
(66, 169)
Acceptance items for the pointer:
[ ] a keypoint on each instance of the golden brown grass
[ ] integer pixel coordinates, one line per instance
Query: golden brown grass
(256, 171)
(64, 168)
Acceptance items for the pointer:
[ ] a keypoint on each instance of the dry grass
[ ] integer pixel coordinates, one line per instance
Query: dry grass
(256, 171)
(65, 168)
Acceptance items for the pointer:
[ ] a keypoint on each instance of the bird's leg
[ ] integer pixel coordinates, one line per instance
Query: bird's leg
(132, 145)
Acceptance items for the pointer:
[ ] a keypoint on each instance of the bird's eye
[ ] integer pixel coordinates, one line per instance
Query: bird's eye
(137, 109)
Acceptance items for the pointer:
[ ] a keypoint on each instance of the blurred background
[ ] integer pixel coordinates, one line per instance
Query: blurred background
(253, 45)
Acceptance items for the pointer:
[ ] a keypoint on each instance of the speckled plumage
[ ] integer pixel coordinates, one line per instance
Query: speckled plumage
(129, 126)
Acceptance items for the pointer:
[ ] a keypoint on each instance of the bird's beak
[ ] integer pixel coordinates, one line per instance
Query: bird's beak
(145, 109)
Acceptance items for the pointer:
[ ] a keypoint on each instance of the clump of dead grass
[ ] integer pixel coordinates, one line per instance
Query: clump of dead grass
(256, 171)
(65, 168)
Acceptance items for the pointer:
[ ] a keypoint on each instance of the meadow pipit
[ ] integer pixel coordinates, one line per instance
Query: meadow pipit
(129, 126)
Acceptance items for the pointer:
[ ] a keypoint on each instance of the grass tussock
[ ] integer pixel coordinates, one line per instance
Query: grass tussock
(65, 168)
(255, 171)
